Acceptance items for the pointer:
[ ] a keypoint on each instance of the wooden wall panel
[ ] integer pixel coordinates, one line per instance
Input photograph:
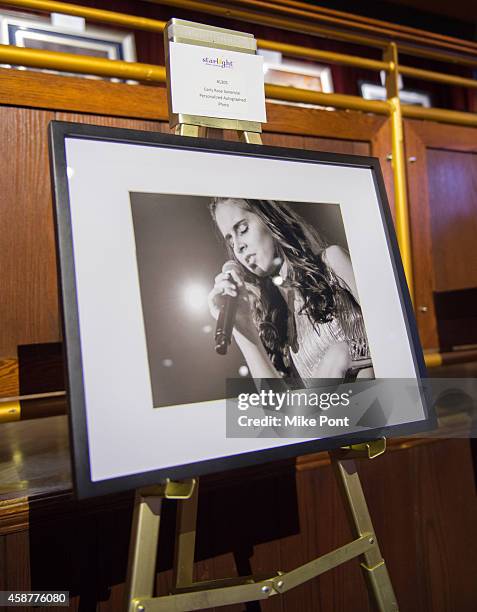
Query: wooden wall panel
(421, 237)
(333, 145)
(381, 147)
(28, 306)
(47, 91)
(440, 496)
(392, 491)
(29, 303)
(17, 566)
(337, 124)
(283, 140)
(442, 190)
(314, 143)
(453, 210)
(322, 527)
(131, 124)
(9, 377)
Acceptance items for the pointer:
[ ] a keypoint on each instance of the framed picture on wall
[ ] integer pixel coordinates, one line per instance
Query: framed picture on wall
(195, 270)
(299, 74)
(295, 73)
(66, 35)
(371, 91)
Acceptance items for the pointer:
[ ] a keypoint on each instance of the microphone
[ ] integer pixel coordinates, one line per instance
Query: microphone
(226, 318)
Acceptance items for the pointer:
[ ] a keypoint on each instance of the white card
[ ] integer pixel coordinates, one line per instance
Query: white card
(217, 83)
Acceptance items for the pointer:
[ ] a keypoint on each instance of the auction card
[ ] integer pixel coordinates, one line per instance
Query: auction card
(217, 83)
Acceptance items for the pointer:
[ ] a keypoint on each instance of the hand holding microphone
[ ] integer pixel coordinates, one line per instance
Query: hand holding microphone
(228, 304)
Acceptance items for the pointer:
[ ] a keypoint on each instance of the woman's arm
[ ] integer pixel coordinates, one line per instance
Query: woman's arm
(336, 360)
(340, 263)
(256, 356)
(334, 363)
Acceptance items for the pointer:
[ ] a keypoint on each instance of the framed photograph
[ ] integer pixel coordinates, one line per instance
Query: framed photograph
(187, 263)
(371, 91)
(293, 73)
(24, 30)
(299, 74)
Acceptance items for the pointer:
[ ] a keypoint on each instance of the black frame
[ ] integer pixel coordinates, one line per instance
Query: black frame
(58, 132)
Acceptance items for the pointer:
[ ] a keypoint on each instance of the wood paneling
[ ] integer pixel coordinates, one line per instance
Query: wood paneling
(9, 378)
(453, 210)
(381, 148)
(74, 94)
(14, 515)
(29, 305)
(47, 91)
(131, 124)
(352, 147)
(17, 554)
(456, 313)
(421, 237)
(442, 136)
(440, 499)
(346, 125)
(28, 308)
(443, 204)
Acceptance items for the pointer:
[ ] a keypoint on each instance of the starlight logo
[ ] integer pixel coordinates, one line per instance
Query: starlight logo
(219, 62)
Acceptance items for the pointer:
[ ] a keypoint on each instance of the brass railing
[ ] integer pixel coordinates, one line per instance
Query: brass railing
(418, 43)
(369, 32)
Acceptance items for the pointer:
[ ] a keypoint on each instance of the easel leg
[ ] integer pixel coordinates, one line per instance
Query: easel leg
(196, 131)
(373, 566)
(143, 547)
(184, 129)
(251, 137)
(185, 540)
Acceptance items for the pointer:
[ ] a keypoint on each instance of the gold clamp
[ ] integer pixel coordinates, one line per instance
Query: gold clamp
(367, 450)
(171, 489)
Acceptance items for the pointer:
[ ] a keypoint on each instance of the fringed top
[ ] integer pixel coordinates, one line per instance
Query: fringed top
(309, 342)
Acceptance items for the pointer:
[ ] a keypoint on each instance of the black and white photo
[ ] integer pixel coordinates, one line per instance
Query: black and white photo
(283, 268)
(187, 263)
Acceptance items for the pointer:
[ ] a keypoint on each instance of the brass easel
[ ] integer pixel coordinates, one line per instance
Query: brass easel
(186, 594)
(189, 595)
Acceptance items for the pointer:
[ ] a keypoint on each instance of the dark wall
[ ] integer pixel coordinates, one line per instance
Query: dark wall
(452, 19)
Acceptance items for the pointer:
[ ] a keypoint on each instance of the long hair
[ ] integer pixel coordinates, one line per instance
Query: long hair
(325, 296)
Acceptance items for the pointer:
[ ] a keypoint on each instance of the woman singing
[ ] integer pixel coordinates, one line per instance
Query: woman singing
(298, 314)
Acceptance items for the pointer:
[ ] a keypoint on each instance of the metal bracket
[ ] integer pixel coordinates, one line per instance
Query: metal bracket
(171, 489)
(365, 450)
(194, 130)
(230, 591)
